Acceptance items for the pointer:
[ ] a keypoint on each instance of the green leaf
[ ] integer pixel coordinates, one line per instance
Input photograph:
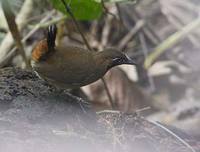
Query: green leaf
(82, 9)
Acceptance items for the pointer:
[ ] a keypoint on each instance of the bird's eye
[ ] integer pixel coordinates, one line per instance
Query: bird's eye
(116, 59)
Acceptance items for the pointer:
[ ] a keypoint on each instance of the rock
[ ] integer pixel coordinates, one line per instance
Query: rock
(36, 117)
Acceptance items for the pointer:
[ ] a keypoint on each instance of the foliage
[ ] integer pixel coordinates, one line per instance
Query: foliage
(82, 10)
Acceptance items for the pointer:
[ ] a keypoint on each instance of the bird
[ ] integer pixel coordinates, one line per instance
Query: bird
(71, 67)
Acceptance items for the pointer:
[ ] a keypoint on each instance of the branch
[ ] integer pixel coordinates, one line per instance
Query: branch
(7, 56)
(10, 18)
(174, 135)
(21, 18)
(171, 41)
(139, 25)
(76, 24)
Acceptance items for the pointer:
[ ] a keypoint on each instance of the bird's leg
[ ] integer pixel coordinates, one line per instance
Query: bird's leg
(80, 101)
(79, 93)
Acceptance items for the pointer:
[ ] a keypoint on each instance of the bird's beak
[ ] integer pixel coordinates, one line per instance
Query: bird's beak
(130, 61)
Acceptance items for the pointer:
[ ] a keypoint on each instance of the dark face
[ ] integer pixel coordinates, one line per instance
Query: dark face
(124, 59)
(118, 58)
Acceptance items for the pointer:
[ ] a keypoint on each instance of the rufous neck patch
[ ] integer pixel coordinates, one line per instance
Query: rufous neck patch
(40, 50)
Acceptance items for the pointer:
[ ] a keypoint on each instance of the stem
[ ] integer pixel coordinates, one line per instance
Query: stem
(171, 41)
(10, 18)
(108, 94)
(4, 60)
(76, 24)
(21, 19)
(119, 14)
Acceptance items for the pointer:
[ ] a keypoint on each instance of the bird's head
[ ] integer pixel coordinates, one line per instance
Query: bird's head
(115, 57)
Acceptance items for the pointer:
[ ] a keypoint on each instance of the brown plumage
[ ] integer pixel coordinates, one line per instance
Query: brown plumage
(72, 67)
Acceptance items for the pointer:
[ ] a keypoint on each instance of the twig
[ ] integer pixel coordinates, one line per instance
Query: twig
(80, 101)
(106, 32)
(87, 44)
(185, 4)
(37, 17)
(178, 24)
(139, 111)
(179, 12)
(108, 94)
(21, 19)
(10, 17)
(4, 60)
(93, 34)
(108, 111)
(130, 34)
(145, 53)
(104, 41)
(146, 29)
(173, 134)
(76, 24)
(119, 14)
(106, 10)
(171, 41)
(75, 37)
(53, 21)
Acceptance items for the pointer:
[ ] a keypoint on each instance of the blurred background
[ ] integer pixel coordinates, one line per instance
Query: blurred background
(163, 36)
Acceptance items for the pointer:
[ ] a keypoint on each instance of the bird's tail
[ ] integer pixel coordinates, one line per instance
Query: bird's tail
(51, 36)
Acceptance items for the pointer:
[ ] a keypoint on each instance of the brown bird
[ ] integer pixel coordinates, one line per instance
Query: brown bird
(72, 67)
